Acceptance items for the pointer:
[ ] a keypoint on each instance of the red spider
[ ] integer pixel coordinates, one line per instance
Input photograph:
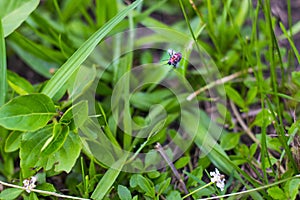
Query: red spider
(175, 57)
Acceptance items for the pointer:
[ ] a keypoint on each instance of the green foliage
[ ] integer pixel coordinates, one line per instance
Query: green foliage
(11, 20)
(11, 193)
(124, 193)
(106, 94)
(27, 113)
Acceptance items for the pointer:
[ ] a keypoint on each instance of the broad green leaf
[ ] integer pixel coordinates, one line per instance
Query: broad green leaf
(31, 145)
(74, 62)
(13, 141)
(235, 96)
(124, 193)
(14, 13)
(27, 113)
(67, 155)
(10, 193)
(19, 84)
(181, 162)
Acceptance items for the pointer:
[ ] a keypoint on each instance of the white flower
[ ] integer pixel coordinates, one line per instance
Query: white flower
(218, 178)
(29, 184)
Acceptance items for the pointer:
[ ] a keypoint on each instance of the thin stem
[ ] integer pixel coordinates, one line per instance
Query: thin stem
(42, 191)
(218, 82)
(159, 148)
(247, 130)
(243, 125)
(254, 189)
(204, 186)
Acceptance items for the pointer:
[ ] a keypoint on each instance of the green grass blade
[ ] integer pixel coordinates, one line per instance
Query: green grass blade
(108, 179)
(290, 39)
(2, 66)
(74, 62)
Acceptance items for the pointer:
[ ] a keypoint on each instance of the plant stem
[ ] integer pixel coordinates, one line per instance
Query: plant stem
(42, 191)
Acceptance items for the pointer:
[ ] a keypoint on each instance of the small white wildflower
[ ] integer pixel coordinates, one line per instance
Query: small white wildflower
(218, 178)
(171, 51)
(29, 184)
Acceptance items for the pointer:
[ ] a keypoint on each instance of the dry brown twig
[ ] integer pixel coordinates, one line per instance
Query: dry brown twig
(218, 82)
(159, 148)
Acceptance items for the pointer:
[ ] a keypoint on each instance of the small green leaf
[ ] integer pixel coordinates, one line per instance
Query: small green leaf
(152, 158)
(133, 181)
(19, 84)
(276, 193)
(146, 185)
(252, 93)
(13, 141)
(10, 193)
(13, 13)
(31, 145)
(163, 186)
(72, 146)
(153, 174)
(27, 113)
(296, 78)
(181, 162)
(235, 96)
(46, 187)
(32, 196)
(76, 115)
(224, 112)
(174, 194)
(124, 193)
(230, 140)
(56, 141)
(293, 188)
(253, 149)
(263, 118)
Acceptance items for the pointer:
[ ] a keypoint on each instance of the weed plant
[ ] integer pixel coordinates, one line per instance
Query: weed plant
(91, 109)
